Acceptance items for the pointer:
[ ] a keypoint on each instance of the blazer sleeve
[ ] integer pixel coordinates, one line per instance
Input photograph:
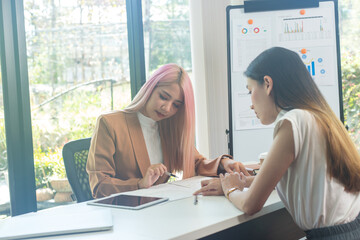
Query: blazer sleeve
(101, 165)
(206, 167)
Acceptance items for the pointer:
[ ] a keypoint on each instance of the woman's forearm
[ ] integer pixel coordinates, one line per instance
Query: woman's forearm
(242, 201)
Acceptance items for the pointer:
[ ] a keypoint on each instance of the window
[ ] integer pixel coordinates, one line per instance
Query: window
(4, 181)
(350, 61)
(77, 54)
(166, 33)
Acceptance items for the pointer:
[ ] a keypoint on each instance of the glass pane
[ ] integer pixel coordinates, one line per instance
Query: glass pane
(350, 61)
(166, 33)
(78, 68)
(4, 181)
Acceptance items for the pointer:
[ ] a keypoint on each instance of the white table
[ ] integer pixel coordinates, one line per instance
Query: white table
(179, 219)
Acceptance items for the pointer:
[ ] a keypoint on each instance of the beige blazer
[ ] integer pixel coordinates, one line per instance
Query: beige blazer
(118, 157)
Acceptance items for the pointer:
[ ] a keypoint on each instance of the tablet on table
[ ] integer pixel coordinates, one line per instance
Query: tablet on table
(128, 201)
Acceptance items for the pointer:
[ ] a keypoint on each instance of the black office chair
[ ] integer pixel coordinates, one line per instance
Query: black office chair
(75, 154)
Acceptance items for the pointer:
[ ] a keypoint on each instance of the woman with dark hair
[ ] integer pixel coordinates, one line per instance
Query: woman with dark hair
(154, 136)
(317, 173)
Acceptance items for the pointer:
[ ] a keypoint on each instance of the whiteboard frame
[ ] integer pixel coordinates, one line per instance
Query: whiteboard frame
(264, 136)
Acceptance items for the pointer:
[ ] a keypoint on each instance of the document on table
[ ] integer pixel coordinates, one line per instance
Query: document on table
(172, 190)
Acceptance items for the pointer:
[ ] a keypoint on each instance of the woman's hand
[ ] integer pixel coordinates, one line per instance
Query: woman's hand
(231, 180)
(152, 175)
(211, 187)
(231, 166)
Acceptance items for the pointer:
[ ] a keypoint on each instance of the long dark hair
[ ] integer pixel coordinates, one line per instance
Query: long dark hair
(294, 88)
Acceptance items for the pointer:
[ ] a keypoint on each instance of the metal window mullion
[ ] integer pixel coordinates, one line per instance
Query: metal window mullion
(17, 107)
(136, 45)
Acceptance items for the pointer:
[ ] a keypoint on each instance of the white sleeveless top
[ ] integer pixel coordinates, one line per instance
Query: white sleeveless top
(150, 130)
(312, 198)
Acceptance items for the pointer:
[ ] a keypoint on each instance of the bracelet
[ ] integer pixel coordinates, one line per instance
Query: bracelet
(231, 190)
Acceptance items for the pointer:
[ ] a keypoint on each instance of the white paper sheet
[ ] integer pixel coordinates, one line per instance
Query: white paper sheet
(173, 190)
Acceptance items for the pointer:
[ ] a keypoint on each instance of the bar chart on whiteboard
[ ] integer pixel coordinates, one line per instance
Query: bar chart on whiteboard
(319, 62)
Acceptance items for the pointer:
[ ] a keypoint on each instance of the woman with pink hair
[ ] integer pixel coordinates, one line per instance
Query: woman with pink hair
(139, 146)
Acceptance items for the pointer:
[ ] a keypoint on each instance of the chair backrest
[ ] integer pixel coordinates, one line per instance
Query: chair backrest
(75, 154)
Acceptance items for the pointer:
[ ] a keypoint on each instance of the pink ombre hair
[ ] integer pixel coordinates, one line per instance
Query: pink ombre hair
(178, 131)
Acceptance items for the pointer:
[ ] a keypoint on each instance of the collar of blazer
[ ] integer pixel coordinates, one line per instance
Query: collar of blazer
(139, 145)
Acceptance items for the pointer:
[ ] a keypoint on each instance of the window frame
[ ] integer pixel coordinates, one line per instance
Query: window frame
(17, 108)
(135, 45)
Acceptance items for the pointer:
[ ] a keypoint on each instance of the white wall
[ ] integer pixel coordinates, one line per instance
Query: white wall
(209, 55)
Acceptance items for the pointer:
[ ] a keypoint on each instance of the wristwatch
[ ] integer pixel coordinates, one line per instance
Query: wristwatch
(231, 190)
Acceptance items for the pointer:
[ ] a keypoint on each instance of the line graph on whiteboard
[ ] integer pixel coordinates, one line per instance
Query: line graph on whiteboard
(245, 117)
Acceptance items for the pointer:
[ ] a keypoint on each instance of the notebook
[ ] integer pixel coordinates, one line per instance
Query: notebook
(47, 224)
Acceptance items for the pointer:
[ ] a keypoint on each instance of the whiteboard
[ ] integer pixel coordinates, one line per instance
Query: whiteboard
(311, 32)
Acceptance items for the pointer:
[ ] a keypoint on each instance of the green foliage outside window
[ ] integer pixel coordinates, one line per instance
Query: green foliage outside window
(71, 117)
(350, 64)
(351, 92)
(3, 153)
(167, 33)
(48, 164)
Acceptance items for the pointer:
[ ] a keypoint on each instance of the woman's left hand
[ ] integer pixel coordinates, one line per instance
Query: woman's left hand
(210, 187)
(231, 166)
(231, 180)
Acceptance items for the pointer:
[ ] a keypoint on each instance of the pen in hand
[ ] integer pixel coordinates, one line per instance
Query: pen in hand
(196, 200)
(171, 175)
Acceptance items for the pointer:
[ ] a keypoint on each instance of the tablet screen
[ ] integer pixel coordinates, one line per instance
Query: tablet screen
(128, 201)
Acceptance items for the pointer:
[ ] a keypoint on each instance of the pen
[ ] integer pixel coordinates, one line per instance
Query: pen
(251, 171)
(196, 200)
(171, 175)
